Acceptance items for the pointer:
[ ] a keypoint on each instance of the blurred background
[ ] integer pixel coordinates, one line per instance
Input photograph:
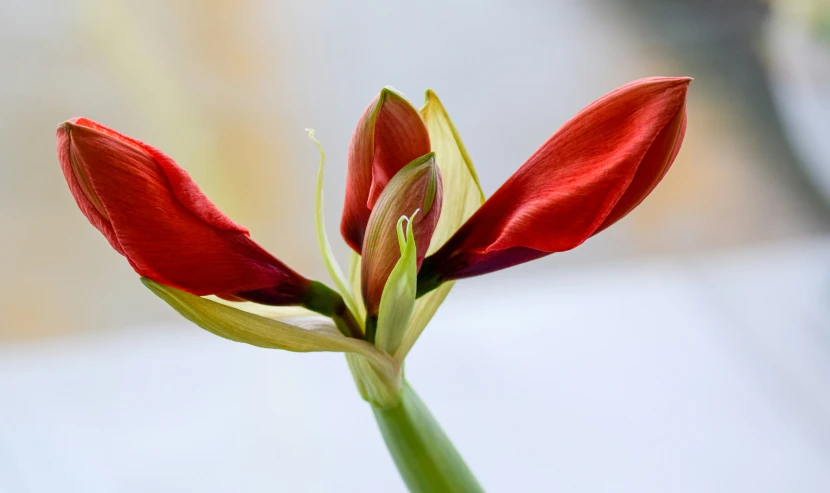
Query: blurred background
(733, 244)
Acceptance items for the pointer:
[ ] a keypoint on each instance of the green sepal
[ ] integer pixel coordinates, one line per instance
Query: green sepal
(398, 298)
(462, 191)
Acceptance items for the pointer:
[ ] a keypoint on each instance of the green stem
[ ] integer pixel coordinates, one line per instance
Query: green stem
(425, 457)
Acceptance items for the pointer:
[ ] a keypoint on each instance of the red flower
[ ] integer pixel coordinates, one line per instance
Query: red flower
(587, 176)
(389, 135)
(151, 212)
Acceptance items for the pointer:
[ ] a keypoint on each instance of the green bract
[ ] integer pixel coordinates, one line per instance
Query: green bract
(398, 299)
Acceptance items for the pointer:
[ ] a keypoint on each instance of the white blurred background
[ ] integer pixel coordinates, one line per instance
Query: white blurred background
(686, 349)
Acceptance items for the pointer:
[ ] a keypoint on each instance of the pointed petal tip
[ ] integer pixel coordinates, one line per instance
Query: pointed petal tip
(76, 121)
(427, 159)
(672, 81)
(68, 125)
(82, 123)
(684, 80)
(662, 80)
(679, 86)
(390, 93)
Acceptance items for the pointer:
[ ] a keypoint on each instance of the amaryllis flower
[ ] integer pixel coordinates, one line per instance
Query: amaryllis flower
(416, 219)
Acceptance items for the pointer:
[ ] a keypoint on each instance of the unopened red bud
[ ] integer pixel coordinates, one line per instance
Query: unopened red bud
(416, 192)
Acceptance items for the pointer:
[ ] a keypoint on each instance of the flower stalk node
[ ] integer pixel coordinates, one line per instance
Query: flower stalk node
(381, 389)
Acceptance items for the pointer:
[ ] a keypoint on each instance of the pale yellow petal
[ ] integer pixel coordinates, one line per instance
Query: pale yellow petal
(462, 192)
(241, 326)
(317, 323)
(425, 308)
(462, 197)
(267, 311)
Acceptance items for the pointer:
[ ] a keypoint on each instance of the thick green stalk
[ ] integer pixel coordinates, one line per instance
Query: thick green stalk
(425, 457)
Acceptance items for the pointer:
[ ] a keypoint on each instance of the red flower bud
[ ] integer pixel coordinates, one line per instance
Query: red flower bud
(417, 187)
(588, 175)
(389, 135)
(151, 212)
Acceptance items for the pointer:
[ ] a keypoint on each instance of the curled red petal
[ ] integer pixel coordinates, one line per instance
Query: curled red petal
(589, 174)
(155, 215)
(389, 135)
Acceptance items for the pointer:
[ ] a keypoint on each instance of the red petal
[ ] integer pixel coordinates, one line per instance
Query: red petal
(652, 169)
(588, 175)
(157, 217)
(81, 189)
(389, 135)
(183, 187)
